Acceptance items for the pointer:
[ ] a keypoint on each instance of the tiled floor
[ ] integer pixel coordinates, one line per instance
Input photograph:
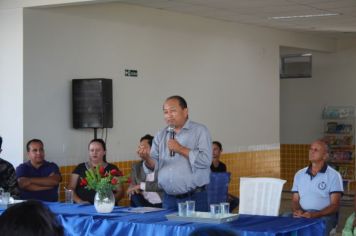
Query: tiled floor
(346, 209)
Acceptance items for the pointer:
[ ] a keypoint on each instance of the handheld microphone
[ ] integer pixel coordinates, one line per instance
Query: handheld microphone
(171, 136)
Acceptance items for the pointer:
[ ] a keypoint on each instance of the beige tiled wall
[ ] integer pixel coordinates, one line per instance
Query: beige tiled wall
(295, 156)
(283, 163)
(251, 164)
(256, 163)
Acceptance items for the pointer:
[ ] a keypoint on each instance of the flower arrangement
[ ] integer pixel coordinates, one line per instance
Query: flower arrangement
(103, 181)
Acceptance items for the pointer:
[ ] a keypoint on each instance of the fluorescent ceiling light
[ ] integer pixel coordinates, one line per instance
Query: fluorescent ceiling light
(303, 16)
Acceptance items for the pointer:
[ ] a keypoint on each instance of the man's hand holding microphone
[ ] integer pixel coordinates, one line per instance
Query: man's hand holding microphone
(174, 146)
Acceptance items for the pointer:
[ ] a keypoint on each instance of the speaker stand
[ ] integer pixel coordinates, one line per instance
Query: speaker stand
(95, 133)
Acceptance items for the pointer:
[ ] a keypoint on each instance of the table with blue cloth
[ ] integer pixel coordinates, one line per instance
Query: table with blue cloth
(82, 219)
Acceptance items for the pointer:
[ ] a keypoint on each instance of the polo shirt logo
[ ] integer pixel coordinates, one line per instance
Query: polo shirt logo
(322, 185)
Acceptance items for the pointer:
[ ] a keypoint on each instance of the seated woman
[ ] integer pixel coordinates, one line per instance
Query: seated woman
(97, 152)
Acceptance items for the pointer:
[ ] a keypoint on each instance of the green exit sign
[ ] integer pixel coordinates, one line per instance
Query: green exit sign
(131, 73)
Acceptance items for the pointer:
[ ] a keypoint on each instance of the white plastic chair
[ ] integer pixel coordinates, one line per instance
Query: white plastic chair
(260, 196)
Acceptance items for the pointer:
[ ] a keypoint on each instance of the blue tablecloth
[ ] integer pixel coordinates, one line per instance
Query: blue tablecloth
(84, 220)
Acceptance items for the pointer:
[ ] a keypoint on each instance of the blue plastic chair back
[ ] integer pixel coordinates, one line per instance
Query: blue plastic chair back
(218, 187)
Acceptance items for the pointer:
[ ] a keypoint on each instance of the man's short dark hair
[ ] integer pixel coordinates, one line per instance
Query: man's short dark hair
(33, 141)
(30, 218)
(147, 137)
(217, 143)
(182, 103)
(0, 141)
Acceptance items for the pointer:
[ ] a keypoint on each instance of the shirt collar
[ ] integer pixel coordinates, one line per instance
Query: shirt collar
(187, 125)
(322, 170)
(29, 163)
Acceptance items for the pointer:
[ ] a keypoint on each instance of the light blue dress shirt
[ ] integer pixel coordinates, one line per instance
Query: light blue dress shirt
(177, 174)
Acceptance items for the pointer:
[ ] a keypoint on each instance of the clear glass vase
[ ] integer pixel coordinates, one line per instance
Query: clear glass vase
(104, 201)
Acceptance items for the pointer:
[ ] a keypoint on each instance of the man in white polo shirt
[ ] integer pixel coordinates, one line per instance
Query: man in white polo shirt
(317, 189)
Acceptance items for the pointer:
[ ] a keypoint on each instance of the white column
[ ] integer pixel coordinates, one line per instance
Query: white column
(11, 84)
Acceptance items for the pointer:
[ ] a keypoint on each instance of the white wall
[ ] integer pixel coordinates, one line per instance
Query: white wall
(227, 72)
(11, 74)
(302, 100)
(11, 85)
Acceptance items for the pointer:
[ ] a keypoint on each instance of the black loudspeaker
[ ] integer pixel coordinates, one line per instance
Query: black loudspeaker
(92, 103)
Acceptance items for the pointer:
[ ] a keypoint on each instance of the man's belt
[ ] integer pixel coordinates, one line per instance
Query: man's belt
(191, 193)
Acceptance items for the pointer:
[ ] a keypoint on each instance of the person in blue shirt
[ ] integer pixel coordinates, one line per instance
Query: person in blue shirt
(317, 188)
(181, 153)
(37, 178)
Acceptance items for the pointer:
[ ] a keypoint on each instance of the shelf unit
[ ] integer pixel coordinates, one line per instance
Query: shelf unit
(339, 134)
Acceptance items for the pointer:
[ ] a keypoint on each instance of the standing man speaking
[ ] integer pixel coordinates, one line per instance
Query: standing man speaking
(181, 153)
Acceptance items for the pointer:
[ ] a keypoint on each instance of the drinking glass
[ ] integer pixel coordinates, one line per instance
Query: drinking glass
(215, 210)
(68, 196)
(5, 198)
(1, 192)
(190, 208)
(225, 208)
(182, 208)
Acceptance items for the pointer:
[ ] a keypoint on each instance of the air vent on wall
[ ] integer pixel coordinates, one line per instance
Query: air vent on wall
(296, 66)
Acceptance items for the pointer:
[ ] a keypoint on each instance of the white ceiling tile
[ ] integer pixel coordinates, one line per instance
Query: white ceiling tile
(258, 12)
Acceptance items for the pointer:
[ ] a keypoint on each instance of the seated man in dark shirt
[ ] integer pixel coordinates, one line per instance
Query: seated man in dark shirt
(218, 166)
(37, 178)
